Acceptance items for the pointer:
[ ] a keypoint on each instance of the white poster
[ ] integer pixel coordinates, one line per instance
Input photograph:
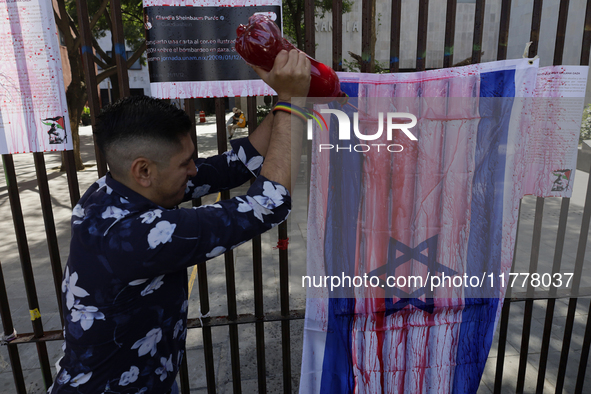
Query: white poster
(553, 130)
(33, 110)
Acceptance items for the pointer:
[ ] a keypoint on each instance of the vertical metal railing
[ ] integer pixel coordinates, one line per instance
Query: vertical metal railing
(586, 218)
(202, 281)
(537, 232)
(337, 35)
(9, 332)
(561, 233)
(220, 111)
(206, 330)
(504, 18)
(50, 232)
(450, 31)
(422, 35)
(504, 323)
(367, 36)
(26, 266)
(257, 276)
(478, 30)
(395, 27)
(529, 302)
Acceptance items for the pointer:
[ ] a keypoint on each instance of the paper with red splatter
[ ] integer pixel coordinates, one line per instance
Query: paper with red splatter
(33, 110)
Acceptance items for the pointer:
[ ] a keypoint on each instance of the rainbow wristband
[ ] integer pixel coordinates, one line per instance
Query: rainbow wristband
(300, 112)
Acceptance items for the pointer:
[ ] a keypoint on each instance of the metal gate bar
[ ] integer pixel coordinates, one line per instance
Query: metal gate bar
(202, 284)
(450, 31)
(26, 266)
(550, 305)
(190, 110)
(72, 176)
(395, 28)
(572, 305)
(504, 29)
(257, 276)
(284, 300)
(422, 34)
(529, 302)
(9, 331)
(229, 260)
(505, 312)
(478, 30)
(561, 32)
(309, 36)
(504, 324)
(584, 355)
(337, 35)
(206, 331)
(579, 259)
(367, 35)
(539, 211)
(50, 232)
(564, 208)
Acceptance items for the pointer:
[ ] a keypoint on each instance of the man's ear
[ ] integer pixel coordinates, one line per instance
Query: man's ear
(142, 171)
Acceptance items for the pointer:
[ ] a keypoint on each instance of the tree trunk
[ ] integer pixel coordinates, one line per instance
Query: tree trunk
(115, 90)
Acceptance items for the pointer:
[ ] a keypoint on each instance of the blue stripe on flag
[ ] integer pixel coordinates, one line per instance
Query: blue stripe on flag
(486, 223)
(342, 210)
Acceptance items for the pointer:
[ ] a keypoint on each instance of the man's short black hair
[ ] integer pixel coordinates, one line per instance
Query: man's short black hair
(140, 117)
(139, 126)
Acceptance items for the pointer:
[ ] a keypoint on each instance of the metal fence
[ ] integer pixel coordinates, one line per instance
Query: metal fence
(261, 317)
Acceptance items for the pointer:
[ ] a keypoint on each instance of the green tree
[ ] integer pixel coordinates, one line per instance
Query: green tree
(100, 22)
(293, 17)
(586, 125)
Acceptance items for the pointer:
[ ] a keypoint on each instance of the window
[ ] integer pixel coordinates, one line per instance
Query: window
(62, 39)
(136, 65)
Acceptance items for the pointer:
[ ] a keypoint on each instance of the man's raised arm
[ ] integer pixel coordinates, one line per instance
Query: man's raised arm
(290, 78)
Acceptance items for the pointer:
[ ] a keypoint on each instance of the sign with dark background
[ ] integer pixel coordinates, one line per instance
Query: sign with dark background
(198, 43)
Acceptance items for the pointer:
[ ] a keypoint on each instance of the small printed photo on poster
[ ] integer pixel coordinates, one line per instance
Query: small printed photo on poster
(562, 180)
(147, 24)
(57, 130)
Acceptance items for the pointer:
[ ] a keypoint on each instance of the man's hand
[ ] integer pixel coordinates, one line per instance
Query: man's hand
(290, 75)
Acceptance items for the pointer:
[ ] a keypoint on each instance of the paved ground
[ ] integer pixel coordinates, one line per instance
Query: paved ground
(29, 195)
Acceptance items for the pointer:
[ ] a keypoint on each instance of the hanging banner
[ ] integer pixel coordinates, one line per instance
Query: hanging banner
(33, 109)
(191, 48)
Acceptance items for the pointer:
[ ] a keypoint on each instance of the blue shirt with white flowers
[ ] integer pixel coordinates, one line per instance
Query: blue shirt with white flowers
(124, 290)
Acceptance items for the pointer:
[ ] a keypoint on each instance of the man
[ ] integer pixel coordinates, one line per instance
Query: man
(125, 283)
(237, 120)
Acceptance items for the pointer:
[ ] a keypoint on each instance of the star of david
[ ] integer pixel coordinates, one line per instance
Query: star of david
(408, 253)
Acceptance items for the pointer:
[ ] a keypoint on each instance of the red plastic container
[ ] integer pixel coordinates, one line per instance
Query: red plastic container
(260, 41)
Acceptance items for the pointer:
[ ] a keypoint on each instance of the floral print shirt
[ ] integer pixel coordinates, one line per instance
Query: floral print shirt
(124, 290)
